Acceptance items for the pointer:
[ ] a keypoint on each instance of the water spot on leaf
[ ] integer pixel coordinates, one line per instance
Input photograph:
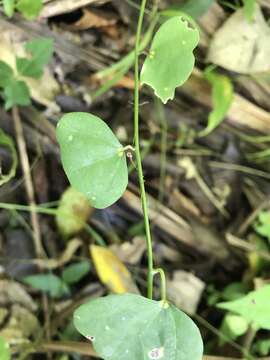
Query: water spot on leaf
(70, 138)
(123, 318)
(152, 54)
(156, 353)
(107, 327)
(127, 351)
(90, 337)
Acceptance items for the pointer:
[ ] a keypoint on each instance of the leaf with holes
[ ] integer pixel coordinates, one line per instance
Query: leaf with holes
(254, 307)
(132, 327)
(170, 60)
(93, 158)
(8, 143)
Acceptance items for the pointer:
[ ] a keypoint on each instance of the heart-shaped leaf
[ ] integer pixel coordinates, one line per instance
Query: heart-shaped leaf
(132, 327)
(93, 158)
(170, 60)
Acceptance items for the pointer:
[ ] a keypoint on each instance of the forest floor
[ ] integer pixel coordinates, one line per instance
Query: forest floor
(208, 196)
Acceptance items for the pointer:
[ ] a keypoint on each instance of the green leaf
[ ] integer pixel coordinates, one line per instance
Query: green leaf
(7, 142)
(132, 327)
(16, 92)
(73, 212)
(75, 272)
(194, 8)
(234, 291)
(222, 98)
(4, 350)
(93, 158)
(249, 9)
(6, 74)
(29, 8)
(41, 51)
(263, 224)
(254, 307)
(262, 347)
(48, 283)
(232, 327)
(170, 60)
(9, 6)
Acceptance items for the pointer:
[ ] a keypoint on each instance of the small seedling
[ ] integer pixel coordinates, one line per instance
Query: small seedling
(131, 326)
(28, 8)
(15, 90)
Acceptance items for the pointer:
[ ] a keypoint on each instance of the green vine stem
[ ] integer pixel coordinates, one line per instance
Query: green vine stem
(163, 283)
(138, 154)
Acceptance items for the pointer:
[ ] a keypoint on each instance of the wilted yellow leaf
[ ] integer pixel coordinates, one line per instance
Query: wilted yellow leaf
(111, 271)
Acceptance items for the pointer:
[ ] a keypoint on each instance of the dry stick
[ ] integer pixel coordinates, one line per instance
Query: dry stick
(40, 253)
(84, 348)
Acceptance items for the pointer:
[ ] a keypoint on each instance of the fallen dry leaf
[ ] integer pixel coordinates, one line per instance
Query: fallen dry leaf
(130, 252)
(240, 45)
(185, 290)
(93, 19)
(111, 271)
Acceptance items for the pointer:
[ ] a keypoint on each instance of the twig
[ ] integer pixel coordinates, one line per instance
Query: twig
(40, 252)
(28, 182)
(84, 348)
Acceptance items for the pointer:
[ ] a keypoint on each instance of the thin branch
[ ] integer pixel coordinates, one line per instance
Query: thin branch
(28, 182)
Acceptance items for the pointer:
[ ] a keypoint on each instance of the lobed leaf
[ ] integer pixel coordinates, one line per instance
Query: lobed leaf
(170, 60)
(41, 51)
(6, 74)
(254, 307)
(29, 8)
(16, 92)
(132, 327)
(93, 158)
